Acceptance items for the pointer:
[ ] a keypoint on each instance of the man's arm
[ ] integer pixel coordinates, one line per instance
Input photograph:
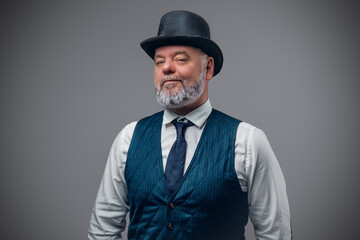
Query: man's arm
(111, 205)
(269, 207)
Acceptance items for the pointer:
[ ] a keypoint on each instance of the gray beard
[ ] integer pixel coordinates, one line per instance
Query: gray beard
(184, 96)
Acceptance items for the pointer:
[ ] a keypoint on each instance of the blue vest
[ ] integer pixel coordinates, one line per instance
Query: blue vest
(209, 202)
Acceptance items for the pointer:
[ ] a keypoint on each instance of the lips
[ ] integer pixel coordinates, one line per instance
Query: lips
(170, 80)
(166, 81)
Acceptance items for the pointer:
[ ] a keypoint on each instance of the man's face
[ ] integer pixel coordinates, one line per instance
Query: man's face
(180, 76)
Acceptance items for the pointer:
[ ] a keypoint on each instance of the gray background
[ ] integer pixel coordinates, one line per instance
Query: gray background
(73, 75)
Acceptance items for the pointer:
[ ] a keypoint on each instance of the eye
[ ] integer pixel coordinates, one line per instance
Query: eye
(181, 59)
(159, 62)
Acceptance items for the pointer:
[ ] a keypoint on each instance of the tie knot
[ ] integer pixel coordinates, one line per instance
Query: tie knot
(181, 127)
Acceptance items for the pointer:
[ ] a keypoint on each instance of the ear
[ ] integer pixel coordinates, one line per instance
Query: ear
(209, 68)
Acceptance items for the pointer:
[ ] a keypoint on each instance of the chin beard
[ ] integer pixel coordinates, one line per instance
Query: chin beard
(183, 96)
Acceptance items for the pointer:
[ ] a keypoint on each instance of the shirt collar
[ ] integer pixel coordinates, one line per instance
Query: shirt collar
(197, 117)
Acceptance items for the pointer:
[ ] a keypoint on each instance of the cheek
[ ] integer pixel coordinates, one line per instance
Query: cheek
(191, 74)
(157, 78)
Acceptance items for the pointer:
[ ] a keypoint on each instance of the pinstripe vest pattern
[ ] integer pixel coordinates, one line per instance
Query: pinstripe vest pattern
(209, 202)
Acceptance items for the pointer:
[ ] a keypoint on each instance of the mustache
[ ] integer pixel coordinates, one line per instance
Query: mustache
(170, 78)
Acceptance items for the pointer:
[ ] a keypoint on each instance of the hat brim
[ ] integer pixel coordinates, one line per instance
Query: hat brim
(206, 45)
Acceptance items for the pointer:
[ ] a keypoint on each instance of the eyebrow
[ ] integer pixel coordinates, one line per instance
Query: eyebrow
(182, 53)
(175, 54)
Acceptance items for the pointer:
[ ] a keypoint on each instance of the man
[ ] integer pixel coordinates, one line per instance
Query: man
(189, 172)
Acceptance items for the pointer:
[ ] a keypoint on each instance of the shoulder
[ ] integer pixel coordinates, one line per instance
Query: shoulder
(121, 144)
(124, 136)
(256, 144)
(249, 129)
(252, 135)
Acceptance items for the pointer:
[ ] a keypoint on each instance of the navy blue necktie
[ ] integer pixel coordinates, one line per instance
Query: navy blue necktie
(175, 163)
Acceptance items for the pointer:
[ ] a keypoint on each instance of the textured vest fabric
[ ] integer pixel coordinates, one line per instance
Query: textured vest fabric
(209, 202)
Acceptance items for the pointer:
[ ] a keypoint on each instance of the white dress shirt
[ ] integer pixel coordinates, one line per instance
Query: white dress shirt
(256, 166)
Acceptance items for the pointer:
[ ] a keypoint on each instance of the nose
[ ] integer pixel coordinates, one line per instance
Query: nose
(168, 67)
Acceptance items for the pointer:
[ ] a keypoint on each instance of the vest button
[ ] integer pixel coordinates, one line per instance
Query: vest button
(172, 206)
(170, 226)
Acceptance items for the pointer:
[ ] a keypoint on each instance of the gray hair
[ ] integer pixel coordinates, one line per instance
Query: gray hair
(203, 57)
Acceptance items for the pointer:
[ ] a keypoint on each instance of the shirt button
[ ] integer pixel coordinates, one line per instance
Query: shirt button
(172, 206)
(170, 226)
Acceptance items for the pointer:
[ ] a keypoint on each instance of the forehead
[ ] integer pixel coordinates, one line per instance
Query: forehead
(174, 50)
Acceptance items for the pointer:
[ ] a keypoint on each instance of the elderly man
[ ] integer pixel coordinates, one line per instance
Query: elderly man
(190, 171)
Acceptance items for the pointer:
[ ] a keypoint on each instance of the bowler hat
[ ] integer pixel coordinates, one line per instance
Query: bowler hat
(188, 29)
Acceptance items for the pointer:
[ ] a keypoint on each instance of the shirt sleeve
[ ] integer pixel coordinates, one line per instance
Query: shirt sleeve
(108, 219)
(268, 202)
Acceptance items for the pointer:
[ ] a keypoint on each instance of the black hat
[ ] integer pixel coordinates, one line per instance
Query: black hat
(187, 29)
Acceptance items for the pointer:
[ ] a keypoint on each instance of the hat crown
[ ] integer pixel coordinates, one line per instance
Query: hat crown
(183, 23)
